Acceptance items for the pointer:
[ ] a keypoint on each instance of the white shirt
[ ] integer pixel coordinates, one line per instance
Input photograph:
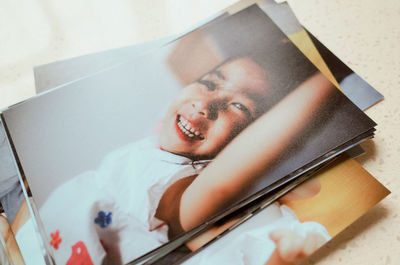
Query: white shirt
(129, 185)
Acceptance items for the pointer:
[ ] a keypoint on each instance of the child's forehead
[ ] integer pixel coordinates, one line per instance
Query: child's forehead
(243, 65)
(243, 75)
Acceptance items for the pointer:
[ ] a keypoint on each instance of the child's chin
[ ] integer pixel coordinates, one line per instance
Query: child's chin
(163, 142)
(169, 146)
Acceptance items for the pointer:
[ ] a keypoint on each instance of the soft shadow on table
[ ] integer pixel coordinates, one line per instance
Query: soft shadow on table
(343, 239)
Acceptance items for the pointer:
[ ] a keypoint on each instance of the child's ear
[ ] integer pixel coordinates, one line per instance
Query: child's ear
(306, 190)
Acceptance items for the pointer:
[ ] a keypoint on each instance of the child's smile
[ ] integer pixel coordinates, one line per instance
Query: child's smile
(187, 129)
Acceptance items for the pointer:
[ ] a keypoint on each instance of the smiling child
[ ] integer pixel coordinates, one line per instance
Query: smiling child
(150, 191)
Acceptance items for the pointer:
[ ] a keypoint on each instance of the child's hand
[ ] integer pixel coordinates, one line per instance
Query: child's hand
(291, 248)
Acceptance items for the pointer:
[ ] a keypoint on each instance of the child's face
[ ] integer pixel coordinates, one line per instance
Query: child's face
(207, 114)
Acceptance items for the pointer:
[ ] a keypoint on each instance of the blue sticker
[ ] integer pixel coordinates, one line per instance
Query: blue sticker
(103, 219)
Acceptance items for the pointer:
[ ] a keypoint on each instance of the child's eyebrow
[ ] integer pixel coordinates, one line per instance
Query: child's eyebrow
(218, 73)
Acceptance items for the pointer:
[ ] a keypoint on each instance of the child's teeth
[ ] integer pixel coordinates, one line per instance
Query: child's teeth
(186, 127)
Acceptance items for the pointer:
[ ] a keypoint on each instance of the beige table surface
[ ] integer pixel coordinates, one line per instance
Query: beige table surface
(363, 33)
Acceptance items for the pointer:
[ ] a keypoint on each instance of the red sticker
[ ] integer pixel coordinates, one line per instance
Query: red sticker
(80, 255)
(55, 239)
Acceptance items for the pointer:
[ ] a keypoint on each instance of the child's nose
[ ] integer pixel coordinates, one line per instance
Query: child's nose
(200, 107)
(208, 108)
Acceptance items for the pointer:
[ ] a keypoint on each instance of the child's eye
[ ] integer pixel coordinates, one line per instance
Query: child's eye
(209, 84)
(242, 107)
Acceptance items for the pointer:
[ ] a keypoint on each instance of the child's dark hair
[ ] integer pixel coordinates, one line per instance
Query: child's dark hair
(262, 41)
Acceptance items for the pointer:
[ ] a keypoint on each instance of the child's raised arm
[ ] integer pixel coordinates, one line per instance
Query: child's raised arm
(251, 153)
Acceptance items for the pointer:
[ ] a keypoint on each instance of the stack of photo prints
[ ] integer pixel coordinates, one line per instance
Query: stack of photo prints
(232, 143)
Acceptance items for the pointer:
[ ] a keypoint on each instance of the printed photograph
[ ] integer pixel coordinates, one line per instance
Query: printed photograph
(137, 155)
(294, 226)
